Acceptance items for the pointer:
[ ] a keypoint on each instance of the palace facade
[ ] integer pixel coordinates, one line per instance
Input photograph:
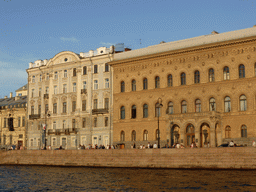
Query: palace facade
(70, 100)
(198, 90)
(13, 119)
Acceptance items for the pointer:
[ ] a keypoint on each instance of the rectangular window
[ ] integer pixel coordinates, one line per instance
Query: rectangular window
(84, 70)
(64, 88)
(83, 105)
(39, 92)
(64, 107)
(46, 90)
(54, 108)
(5, 120)
(47, 76)
(106, 83)
(65, 73)
(95, 69)
(55, 89)
(74, 72)
(23, 122)
(106, 67)
(55, 75)
(84, 85)
(18, 121)
(74, 87)
(84, 123)
(46, 108)
(39, 109)
(95, 122)
(106, 121)
(73, 106)
(32, 110)
(95, 104)
(40, 78)
(54, 143)
(73, 123)
(73, 141)
(95, 84)
(33, 93)
(106, 103)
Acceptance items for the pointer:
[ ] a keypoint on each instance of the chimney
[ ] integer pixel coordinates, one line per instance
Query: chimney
(10, 94)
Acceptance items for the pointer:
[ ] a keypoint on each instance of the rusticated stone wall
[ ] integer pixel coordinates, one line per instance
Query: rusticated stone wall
(209, 158)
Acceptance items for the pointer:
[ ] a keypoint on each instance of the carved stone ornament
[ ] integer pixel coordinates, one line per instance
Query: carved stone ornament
(127, 75)
(175, 67)
(32, 102)
(233, 87)
(203, 90)
(64, 98)
(203, 64)
(150, 71)
(162, 69)
(138, 97)
(138, 73)
(189, 65)
(232, 59)
(248, 56)
(249, 85)
(190, 91)
(163, 95)
(218, 88)
(150, 96)
(116, 76)
(218, 61)
(176, 93)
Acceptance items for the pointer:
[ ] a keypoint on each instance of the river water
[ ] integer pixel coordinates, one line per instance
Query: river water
(40, 178)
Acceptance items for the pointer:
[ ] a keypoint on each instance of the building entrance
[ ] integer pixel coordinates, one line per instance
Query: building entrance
(190, 135)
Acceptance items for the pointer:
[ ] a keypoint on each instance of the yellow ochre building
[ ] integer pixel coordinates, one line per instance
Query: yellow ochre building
(201, 90)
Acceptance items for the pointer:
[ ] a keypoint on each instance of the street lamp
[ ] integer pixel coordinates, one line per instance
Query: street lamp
(47, 114)
(159, 105)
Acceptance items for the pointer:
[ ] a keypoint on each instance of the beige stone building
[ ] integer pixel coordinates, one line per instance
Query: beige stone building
(202, 89)
(12, 119)
(70, 94)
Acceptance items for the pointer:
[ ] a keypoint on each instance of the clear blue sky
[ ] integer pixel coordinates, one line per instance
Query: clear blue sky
(39, 29)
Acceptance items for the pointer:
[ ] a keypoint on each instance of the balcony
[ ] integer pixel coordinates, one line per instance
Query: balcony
(99, 111)
(70, 130)
(34, 116)
(51, 131)
(46, 96)
(83, 91)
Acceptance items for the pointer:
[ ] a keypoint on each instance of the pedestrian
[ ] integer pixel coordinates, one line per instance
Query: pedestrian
(231, 143)
(155, 146)
(148, 145)
(253, 143)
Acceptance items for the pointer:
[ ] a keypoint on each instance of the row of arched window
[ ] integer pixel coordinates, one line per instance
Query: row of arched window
(243, 131)
(198, 108)
(211, 75)
(133, 135)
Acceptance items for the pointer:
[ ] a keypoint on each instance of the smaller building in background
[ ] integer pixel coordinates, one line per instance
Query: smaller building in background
(12, 119)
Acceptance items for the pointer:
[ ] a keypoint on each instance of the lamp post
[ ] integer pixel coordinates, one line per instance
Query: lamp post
(159, 105)
(47, 114)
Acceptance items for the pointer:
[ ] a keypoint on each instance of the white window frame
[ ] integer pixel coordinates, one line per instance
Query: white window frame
(96, 84)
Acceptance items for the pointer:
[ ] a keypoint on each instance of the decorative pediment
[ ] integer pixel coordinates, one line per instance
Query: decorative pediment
(63, 98)
(64, 57)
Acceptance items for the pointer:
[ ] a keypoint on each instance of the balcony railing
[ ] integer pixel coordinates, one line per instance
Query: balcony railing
(34, 116)
(83, 91)
(99, 111)
(46, 96)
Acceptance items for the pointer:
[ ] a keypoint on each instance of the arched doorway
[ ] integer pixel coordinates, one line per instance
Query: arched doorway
(175, 134)
(204, 134)
(190, 134)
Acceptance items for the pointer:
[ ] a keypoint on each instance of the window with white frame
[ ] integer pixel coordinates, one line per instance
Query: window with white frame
(54, 125)
(74, 87)
(33, 93)
(65, 73)
(46, 90)
(33, 79)
(64, 88)
(47, 76)
(95, 84)
(107, 83)
(73, 141)
(55, 89)
(55, 75)
(54, 141)
(84, 84)
(40, 78)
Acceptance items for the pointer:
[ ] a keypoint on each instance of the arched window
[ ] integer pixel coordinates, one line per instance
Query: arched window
(198, 105)
(212, 103)
(133, 111)
(122, 86)
(169, 80)
(157, 82)
(197, 77)
(157, 109)
(122, 136)
(145, 83)
(122, 112)
(145, 135)
(227, 104)
(227, 132)
(241, 71)
(133, 85)
(183, 78)
(157, 134)
(133, 135)
(211, 75)
(183, 107)
(170, 107)
(243, 103)
(226, 73)
(145, 111)
(190, 129)
(243, 131)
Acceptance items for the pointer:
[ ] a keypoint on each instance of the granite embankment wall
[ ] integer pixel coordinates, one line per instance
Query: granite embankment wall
(209, 158)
